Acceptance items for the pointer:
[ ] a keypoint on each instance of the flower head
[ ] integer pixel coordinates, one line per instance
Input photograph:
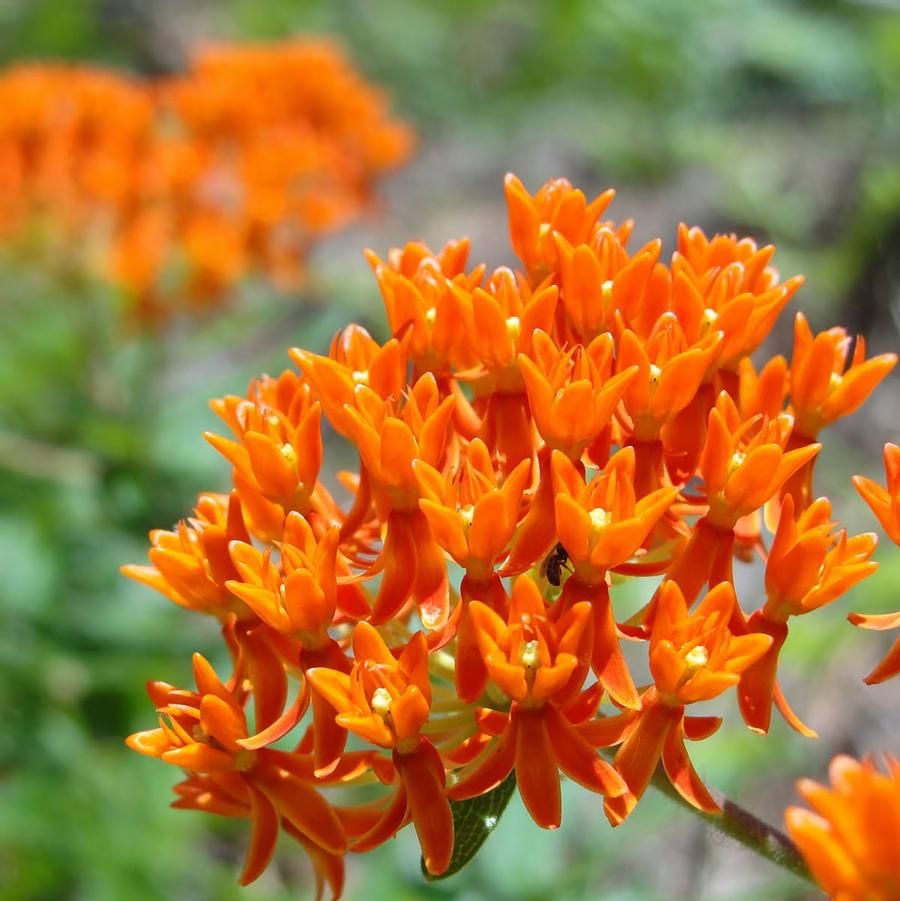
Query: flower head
(850, 837)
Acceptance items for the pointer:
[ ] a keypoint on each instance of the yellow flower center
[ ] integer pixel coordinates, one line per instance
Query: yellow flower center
(708, 320)
(737, 460)
(529, 656)
(468, 514)
(697, 658)
(361, 377)
(600, 519)
(513, 328)
(655, 373)
(289, 454)
(381, 702)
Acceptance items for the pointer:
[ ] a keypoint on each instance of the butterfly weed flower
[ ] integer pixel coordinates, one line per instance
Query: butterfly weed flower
(526, 438)
(850, 835)
(885, 504)
(693, 657)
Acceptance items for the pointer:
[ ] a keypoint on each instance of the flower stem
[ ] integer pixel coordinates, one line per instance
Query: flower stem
(738, 824)
(741, 825)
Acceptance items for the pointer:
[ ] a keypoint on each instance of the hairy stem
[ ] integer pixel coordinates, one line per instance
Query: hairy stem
(738, 824)
(741, 825)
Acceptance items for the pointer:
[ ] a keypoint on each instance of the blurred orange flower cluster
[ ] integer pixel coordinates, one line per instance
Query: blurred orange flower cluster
(177, 188)
(527, 438)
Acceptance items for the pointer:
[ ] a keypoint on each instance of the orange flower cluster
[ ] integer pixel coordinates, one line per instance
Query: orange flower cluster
(180, 187)
(850, 837)
(526, 438)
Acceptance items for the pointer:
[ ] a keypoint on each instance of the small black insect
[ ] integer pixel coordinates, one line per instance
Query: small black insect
(551, 568)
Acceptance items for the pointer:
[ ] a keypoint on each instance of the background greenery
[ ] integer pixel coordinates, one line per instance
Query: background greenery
(780, 119)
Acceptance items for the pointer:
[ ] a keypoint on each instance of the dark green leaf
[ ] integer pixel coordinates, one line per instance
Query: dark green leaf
(473, 821)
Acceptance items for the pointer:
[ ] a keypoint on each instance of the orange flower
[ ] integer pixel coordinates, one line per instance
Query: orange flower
(178, 188)
(429, 309)
(727, 284)
(850, 837)
(600, 280)
(693, 657)
(355, 359)
(556, 208)
(386, 701)
(763, 392)
(823, 387)
(573, 393)
(279, 448)
(809, 566)
(744, 462)
(389, 441)
(472, 517)
(191, 566)
(539, 665)
(743, 466)
(602, 523)
(670, 372)
(205, 732)
(885, 504)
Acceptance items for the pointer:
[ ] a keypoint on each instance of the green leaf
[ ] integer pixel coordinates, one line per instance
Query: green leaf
(473, 822)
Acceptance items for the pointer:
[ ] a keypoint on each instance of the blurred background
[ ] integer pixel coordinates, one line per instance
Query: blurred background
(776, 119)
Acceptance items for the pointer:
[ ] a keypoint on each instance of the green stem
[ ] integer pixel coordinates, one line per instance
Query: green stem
(741, 825)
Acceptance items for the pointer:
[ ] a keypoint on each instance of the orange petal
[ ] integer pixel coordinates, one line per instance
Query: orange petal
(537, 775)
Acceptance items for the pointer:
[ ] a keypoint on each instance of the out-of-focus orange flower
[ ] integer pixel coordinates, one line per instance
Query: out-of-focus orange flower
(178, 188)
(885, 504)
(850, 837)
(386, 700)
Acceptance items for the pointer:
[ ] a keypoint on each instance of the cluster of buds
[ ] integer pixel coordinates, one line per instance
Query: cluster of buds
(526, 440)
(179, 187)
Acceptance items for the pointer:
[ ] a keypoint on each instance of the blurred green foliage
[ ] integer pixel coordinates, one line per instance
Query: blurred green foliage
(790, 114)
